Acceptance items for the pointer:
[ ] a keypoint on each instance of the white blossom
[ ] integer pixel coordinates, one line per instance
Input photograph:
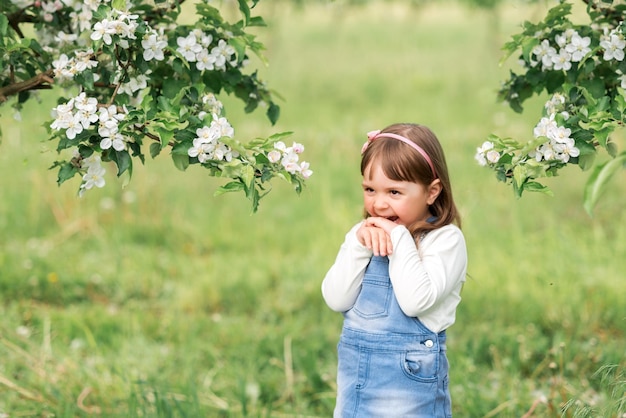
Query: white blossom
(579, 47)
(561, 134)
(103, 30)
(223, 126)
(613, 45)
(74, 126)
(188, 47)
(481, 152)
(297, 148)
(83, 60)
(559, 146)
(304, 170)
(274, 156)
(64, 68)
(567, 150)
(562, 60)
(66, 38)
(555, 103)
(94, 177)
(544, 53)
(493, 156)
(153, 47)
(116, 141)
(545, 127)
(214, 105)
(223, 54)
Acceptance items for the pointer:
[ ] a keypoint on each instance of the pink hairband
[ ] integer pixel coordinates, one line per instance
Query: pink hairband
(371, 136)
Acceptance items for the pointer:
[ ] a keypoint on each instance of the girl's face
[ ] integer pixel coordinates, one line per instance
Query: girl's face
(402, 202)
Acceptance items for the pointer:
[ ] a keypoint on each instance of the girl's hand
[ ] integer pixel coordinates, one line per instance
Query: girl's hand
(382, 223)
(375, 238)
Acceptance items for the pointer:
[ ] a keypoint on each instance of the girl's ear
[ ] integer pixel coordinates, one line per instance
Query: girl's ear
(433, 191)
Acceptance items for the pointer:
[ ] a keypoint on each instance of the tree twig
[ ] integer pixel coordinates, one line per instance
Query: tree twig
(40, 81)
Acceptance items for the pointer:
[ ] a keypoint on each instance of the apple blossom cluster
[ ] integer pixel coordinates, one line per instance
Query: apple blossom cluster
(81, 111)
(558, 147)
(77, 115)
(195, 48)
(111, 55)
(207, 145)
(486, 154)
(571, 48)
(134, 84)
(66, 68)
(94, 175)
(212, 103)
(120, 23)
(289, 158)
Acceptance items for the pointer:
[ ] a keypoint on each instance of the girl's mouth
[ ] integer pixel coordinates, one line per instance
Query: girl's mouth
(393, 218)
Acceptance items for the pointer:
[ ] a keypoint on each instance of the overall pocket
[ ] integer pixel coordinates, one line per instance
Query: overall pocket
(375, 297)
(422, 366)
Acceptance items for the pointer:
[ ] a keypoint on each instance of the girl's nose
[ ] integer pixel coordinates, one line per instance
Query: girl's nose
(380, 203)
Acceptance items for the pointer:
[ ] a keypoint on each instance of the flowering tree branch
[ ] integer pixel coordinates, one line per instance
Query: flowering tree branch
(38, 82)
(582, 69)
(130, 71)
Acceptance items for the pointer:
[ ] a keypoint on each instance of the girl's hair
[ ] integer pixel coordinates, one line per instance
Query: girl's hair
(400, 162)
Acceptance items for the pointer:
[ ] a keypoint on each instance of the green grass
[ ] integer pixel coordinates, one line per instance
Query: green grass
(160, 300)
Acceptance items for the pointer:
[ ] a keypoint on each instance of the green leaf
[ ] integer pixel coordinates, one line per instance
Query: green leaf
(519, 175)
(585, 160)
(181, 148)
(598, 180)
(210, 13)
(527, 46)
(155, 149)
(554, 81)
(119, 4)
(240, 48)
(172, 88)
(164, 104)
(180, 161)
(280, 136)
(66, 171)
(611, 148)
(247, 175)
(273, 112)
(233, 186)
(123, 161)
(245, 10)
(557, 14)
(620, 101)
(533, 186)
(257, 21)
(165, 134)
(4, 25)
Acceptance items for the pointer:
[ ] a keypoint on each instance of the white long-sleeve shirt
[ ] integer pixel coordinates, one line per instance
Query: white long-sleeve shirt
(427, 282)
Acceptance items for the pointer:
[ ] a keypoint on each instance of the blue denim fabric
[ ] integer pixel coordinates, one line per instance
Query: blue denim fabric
(390, 365)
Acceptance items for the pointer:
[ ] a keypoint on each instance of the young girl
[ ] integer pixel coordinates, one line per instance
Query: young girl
(397, 279)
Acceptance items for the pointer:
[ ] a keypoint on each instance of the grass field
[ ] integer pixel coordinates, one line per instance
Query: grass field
(160, 300)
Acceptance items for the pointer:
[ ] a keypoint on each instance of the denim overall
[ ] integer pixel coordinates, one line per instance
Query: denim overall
(390, 365)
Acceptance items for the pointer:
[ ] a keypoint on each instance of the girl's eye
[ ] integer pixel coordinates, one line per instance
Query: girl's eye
(395, 192)
(368, 189)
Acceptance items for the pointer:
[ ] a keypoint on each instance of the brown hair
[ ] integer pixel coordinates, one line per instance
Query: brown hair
(402, 163)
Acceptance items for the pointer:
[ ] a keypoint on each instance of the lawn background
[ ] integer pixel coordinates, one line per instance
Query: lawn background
(159, 299)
